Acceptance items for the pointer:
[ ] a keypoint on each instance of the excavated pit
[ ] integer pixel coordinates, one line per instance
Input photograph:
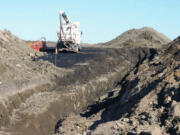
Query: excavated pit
(95, 71)
(38, 90)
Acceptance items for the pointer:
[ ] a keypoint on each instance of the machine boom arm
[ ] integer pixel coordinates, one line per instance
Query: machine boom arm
(63, 14)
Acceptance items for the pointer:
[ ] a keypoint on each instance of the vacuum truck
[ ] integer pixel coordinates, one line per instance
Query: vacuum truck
(69, 36)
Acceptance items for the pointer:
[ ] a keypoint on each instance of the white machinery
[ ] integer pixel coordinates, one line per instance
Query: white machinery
(69, 36)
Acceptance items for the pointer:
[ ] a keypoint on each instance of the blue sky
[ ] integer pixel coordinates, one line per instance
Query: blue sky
(100, 20)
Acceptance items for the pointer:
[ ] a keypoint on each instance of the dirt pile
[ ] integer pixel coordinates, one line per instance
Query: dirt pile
(144, 37)
(12, 46)
(18, 64)
(174, 48)
(145, 102)
(7, 37)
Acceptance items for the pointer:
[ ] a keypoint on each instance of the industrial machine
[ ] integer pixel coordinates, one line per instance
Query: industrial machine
(39, 45)
(69, 36)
